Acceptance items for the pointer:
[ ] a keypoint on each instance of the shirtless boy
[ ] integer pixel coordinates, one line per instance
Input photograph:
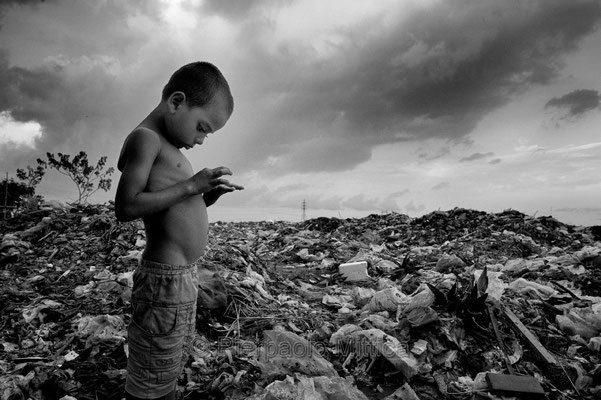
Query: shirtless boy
(158, 185)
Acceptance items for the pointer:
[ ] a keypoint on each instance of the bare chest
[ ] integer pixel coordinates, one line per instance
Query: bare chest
(169, 168)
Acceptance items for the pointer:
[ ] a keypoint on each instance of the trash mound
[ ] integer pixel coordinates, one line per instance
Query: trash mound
(456, 304)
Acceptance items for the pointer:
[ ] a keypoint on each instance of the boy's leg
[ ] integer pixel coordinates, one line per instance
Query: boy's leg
(161, 327)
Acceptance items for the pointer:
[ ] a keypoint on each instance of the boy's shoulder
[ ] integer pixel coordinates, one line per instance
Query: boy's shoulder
(143, 133)
(144, 137)
(140, 140)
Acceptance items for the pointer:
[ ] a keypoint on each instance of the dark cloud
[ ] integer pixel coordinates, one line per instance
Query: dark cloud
(443, 151)
(433, 73)
(576, 103)
(72, 28)
(77, 107)
(323, 153)
(75, 88)
(441, 185)
(495, 161)
(436, 74)
(477, 156)
(237, 9)
(29, 95)
(6, 3)
(462, 60)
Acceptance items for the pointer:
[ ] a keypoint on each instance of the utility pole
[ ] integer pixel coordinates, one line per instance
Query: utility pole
(304, 210)
(5, 196)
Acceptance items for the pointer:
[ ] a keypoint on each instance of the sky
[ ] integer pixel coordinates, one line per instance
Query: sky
(349, 107)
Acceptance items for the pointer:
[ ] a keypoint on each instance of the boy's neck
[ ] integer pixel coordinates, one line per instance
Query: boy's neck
(155, 120)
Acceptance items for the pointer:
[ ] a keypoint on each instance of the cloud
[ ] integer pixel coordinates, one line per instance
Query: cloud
(16, 132)
(305, 101)
(590, 148)
(434, 72)
(411, 207)
(584, 210)
(495, 161)
(294, 187)
(74, 28)
(8, 3)
(67, 100)
(441, 185)
(370, 203)
(441, 152)
(317, 154)
(236, 9)
(81, 79)
(400, 193)
(533, 148)
(576, 103)
(477, 156)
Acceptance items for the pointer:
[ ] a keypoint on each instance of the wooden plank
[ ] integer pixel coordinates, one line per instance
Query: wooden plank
(514, 385)
(532, 340)
(495, 326)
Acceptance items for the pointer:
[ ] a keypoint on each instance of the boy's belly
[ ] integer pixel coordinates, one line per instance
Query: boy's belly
(177, 236)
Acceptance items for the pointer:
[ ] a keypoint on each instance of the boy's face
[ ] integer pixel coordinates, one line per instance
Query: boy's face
(188, 126)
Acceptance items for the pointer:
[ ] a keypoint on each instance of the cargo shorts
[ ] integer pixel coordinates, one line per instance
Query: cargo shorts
(162, 326)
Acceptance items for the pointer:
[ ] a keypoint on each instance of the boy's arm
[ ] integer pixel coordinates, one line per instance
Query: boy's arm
(132, 202)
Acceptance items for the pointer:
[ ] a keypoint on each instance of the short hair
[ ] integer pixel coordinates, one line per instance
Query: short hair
(200, 81)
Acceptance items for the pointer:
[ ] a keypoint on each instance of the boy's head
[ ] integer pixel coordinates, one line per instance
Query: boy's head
(200, 81)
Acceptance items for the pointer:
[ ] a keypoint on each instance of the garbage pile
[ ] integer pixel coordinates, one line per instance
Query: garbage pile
(457, 304)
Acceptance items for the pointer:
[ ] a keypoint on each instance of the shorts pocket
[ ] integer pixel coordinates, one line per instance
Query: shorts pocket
(157, 337)
(166, 360)
(139, 343)
(155, 358)
(142, 288)
(154, 320)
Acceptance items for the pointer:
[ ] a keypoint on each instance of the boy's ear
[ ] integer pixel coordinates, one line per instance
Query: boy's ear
(175, 100)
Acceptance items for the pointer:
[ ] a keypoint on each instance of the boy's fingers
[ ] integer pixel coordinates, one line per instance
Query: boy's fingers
(228, 188)
(220, 181)
(226, 185)
(220, 171)
(229, 184)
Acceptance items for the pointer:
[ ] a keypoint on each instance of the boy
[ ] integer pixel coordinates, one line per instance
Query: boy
(158, 185)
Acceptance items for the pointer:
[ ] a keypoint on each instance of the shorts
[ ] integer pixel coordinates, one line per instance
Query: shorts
(162, 326)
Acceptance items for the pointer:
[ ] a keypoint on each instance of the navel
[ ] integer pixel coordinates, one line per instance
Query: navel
(179, 165)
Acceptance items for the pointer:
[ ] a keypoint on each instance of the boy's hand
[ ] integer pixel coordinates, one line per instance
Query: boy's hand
(211, 183)
(209, 179)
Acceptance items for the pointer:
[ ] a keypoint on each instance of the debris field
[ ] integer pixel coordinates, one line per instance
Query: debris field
(457, 304)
